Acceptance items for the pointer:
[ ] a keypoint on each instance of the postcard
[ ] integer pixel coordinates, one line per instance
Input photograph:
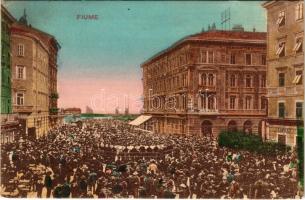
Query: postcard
(152, 99)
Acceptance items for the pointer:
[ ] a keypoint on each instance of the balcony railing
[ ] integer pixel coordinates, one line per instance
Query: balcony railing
(285, 91)
(208, 111)
(23, 109)
(210, 88)
(247, 112)
(8, 117)
(248, 89)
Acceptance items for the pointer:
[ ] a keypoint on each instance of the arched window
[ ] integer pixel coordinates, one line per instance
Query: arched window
(211, 79)
(232, 126)
(248, 127)
(207, 128)
(211, 103)
(263, 103)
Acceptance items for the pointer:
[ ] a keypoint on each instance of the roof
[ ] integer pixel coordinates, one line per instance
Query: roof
(217, 36)
(43, 36)
(140, 120)
(7, 14)
(267, 4)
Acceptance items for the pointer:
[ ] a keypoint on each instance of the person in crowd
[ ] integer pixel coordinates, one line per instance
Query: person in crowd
(111, 159)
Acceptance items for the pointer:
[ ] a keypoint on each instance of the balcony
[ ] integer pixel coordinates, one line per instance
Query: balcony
(208, 111)
(233, 89)
(247, 112)
(6, 118)
(23, 109)
(248, 90)
(285, 91)
(210, 88)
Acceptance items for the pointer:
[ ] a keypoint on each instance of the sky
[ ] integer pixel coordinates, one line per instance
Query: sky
(99, 60)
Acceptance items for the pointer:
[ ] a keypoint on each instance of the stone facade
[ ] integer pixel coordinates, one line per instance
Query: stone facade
(34, 57)
(285, 56)
(206, 83)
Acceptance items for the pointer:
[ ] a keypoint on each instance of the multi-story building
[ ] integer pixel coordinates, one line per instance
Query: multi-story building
(9, 122)
(6, 98)
(285, 69)
(53, 105)
(33, 62)
(206, 83)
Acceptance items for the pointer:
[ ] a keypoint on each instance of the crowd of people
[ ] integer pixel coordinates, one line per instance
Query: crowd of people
(111, 159)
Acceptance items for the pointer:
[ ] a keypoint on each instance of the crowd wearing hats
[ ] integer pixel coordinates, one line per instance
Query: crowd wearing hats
(111, 159)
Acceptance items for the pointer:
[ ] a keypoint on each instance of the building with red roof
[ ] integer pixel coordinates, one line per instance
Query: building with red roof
(207, 82)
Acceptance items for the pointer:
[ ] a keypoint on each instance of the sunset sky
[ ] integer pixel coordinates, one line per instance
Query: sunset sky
(99, 62)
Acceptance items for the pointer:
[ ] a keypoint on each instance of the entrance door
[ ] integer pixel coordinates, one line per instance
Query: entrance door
(32, 133)
(281, 139)
(206, 128)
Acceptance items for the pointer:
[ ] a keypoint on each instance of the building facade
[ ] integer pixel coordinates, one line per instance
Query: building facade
(54, 117)
(32, 88)
(206, 83)
(285, 57)
(10, 128)
(6, 98)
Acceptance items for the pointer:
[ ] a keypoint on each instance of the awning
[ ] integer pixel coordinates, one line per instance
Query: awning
(140, 120)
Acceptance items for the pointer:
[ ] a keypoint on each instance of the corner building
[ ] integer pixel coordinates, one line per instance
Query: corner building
(206, 83)
(34, 72)
(285, 70)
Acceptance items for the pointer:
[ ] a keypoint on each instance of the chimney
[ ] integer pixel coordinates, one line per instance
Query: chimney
(254, 30)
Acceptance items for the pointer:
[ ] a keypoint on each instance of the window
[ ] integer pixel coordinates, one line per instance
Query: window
(20, 50)
(248, 59)
(233, 81)
(281, 19)
(203, 55)
(298, 79)
(299, 14)
(263, 59)
(298, 47)
(210, 103)
(211, 56)
(203, 79)
(263, 103)
(281, 79)
(223, 58)
(263, 81)
(299, 109)
(232, 60)
(20, 99)
(211, 79)
(281, 109)
(248, 81)
(20, 72)
(248, 103)
(281, 49)
(232, 102)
